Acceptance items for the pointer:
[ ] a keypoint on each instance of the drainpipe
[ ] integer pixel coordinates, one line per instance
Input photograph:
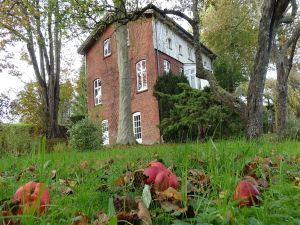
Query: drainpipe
(157, 52)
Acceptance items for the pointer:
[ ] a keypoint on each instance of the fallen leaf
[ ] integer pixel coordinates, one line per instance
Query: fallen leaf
(84, 164)
(146, 196)
(262, 183)
(170, 193)
(127, 218)
(143, 213)
(198, 181)
(80, 219)
(102, 218)
(67, 191)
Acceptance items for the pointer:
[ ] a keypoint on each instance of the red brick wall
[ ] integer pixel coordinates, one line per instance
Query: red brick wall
(175, 64)
(106, 69)
(141, 47)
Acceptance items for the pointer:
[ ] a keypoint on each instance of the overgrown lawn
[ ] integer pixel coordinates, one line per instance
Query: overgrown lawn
(93, 178)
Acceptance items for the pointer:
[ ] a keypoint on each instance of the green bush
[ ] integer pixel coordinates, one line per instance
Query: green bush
(16, 138)
(85, 135)
(198, 115)
(291, 130)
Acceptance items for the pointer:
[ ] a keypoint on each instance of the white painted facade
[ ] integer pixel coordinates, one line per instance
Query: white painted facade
(170, 43)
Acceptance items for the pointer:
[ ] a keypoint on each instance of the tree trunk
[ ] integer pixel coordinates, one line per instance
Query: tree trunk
(282, 93)
(125, 127)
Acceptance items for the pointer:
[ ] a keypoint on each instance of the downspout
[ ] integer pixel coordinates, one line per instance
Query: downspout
(157, 52)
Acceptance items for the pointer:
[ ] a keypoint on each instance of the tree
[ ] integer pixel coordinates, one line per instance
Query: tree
(4, 107)
(65, 103)
(80, 108)
(230, 30)
(284, 51)
(125, 129)
(29, 102)
(272, 15)
(251, 112)
(28, 106)
(40, 25)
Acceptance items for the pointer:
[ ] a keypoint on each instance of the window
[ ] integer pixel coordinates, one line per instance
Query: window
(190, 53)
(141, 75)
(137, 127)
(169, 40)
(106, 48)
(97, 92)
(181, 71)
(167, 66)
(180, 50)
(105, 133)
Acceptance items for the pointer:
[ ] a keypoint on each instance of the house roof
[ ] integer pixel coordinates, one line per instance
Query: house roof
(93, 37)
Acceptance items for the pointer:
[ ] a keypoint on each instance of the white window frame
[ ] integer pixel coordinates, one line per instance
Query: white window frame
(167, 66)
(97, 92)
(107, 47)
(141, 75)
(105, 132)
(137, 126)
(180, 49)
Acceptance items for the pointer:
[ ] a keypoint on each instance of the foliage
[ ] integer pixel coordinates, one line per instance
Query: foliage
(291, 129)
(28, 105)
(197, 115)
(4, 107)
(167, 84)
(80, 108)
(230, 29)
(16, 139)
(41, 26)
(85, 135)
(65, 103)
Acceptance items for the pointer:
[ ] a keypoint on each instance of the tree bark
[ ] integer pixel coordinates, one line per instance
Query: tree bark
(284, 61)
(125, 127)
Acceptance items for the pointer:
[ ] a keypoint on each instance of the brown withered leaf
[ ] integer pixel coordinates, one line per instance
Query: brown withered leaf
(67, 191)
(84, 164)
(250, 169)
(143, 213)
(262, 183)
(68, 182)
(80, 219)
(124, 203)
(31, 168)
(198, 181)
(169, 194)
(125, 218)
(102, 218)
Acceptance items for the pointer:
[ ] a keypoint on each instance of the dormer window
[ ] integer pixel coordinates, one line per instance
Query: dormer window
(180, 49)
(169, 40)
(106, 48)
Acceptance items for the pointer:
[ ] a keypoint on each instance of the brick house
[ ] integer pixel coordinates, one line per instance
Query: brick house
(155, 44)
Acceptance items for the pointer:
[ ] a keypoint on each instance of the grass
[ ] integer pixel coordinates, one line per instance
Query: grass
(223, 161)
